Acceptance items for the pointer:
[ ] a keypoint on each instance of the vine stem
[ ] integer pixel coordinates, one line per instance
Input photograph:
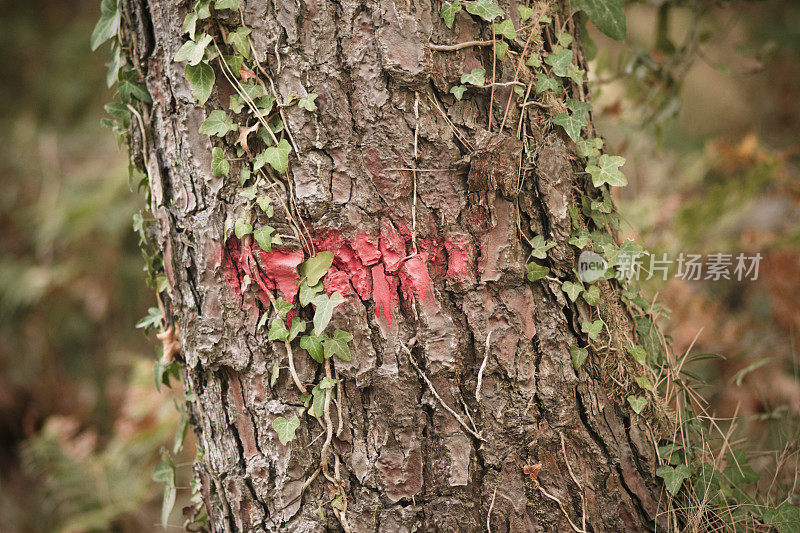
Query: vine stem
(459, 46)
(516, 72)
(494, 65)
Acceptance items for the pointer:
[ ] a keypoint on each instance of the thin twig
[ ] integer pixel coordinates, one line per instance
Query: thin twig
(489, 513)
(459, 46)
(494, 67)
(560, 505)
(483, 366)
(569, 469)
(449, 409)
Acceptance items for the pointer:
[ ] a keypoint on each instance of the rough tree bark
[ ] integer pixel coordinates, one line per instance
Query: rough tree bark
(407, 464)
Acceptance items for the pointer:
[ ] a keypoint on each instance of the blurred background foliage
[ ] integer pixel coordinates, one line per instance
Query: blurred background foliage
(702, 100)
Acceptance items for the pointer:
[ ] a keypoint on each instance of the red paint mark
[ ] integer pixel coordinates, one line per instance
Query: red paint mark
(344, 258)
(457, 258)
(336, 281)
(381, 293)
(414, 277)
(281, 268)
(393, 250)
(366, 248)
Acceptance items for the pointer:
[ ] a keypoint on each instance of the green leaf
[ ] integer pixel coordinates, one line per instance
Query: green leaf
(235, 103)
(314, 268)
(298, 326)
(323, 310)
(506, 29)
(192, 51)
(644, 382)
(313, 345)
(152, 320)
(337, 345)
(164, 472)
(535, 60)
(308, 292)
(219, 165)
(282, 307)
(308, 103)
(578, 356)
(638, 354)
(263, 237)
(573, 290)
(590, 147)
(577, 107)
(607, 171)
(572, 124)
(500, 49)
(107, 26)
(170, 492)
(203, 8)
(317, 408)
(592, 295)
(130, 86)
(448, 12)
(474, 77)
(564, 38)
(249, 192)
(277, 330)
(285, 428)
(607, 15)
(458, 91)
(525, 12)
(537, 272)
(190, 24)
(275, 374)
(539, 247)
(543, 83)
(201, 79)
(238, 39)
(673, 476)
(581, 239)
(217, 123)
(638, 403)
(575, 73)
(592, 329)
(227, 4)
(242, 228)
(278, 156)
(486, 9)
(560, 62)
(265, 203)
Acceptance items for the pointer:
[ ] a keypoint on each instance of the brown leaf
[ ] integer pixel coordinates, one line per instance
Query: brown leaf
(532, 470)
(243, 133)
(247, 74)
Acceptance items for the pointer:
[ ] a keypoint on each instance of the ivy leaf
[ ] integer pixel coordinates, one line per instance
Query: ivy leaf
(152, 320)
(308, 103)
(590, 147)
(539, 247)
(203, 8)
(525, 12)
(227, 4)
(201, 79)
(573, 290)
(263, 237)
(592, 295)
(560, 62)
(475, 77)
(238, 39)
(217, 123)
(313, 345)
(275, 374)
(577, 107)
(592, 329)
(314, 268)
(285, 428)
(572, 124)
(317, 408)
(278, 156)
(644, 382)
(130, 86)
(298, 327)
(337, 345)
(219, 165)
(164, 472)
(506, 29)
(535, 60)
(578, 356)
(580, 240)
(486, 9)
(543, 83)
(607, 15)
(323, 310)
(242, 228)
(673, 476)
(458, 91)
(235, 103)
(638, 354)
(107, 26)
(277, 330)
(607, 171)
(638, 403)
(500, 49)
(308, 292)
(282, 307)
(448, 12)
(575, 73)
(537, 272)
(564, 38)
(265, 203)
(190, 24)
(193, 51)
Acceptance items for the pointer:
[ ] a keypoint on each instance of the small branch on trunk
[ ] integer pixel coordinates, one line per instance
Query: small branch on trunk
(459, 46)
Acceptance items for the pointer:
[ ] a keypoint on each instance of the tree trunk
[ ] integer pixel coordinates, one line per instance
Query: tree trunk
(461, 380)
